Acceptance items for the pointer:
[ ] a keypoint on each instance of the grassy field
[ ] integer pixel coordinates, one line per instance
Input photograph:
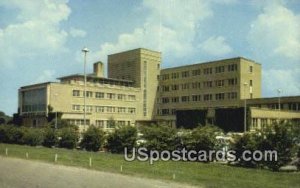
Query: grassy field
(195, 173)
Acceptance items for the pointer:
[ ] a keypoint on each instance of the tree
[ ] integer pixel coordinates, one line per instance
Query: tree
(159, 137)
(122, 137)
(69, 138)
(33, 137)
(278, 138)
(204, 138)
(50, 137)
(93, 139)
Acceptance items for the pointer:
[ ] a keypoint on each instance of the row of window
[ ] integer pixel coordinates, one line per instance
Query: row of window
(103, 109)
(206, 97)
(99, 123)
(197, 85)
(206, 71)
(102, 95)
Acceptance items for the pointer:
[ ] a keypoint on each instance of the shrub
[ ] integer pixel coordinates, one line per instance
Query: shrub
(280, 139)
(122, 137)
(93, 139)
(159, 137)
(249, 141)
(3, 133)
(69, 138)
(202, 138)
(33, 137)
(50, 138)
(14, 135)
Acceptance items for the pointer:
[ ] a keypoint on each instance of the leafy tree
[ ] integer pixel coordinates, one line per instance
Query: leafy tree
(14, 135)
(93, 139)
(159, 137)
(249, 141)
(122, 137)
(50, 137)
(33, 137)
(280, 139)
(69, 138)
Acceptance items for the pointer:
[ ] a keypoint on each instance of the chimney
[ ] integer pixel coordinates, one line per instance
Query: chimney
(98, 69)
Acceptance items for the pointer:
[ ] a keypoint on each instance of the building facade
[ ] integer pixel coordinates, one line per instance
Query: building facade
(138, 91)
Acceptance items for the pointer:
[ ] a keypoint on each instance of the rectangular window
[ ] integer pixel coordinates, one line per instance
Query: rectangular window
(175, 99)
(165, 100)
(131, 110)
(196, 97)
(89, 94)
(165, 111)
(99, 95)
(232, 67)
(207, 71)
(219, 83)
(185, 86)
(110, 109)
(121, 110)
(99, 109)
(121, 97)
(76, 93)
(175, 87)
(220, 96)
(251, 84)
(232, 81)
(88, 108)
(185, 98)
(207, 97)
(232, 95)
(251, 69)
(76, 107)
(99, 123)
(207, 84)
(185, 74)
(175, 75)
(196, 72)
(111, 95)
(131, 97)
(219, 69)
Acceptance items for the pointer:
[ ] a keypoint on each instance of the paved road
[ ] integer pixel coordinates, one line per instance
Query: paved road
(19, 173)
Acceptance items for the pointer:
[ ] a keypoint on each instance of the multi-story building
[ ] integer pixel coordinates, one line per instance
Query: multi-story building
(138, 91)
(222, 83)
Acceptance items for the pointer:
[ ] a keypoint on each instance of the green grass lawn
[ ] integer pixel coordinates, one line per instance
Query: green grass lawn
(195, 173)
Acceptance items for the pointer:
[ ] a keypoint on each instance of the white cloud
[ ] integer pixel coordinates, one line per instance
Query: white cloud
(77, 32)
(46, 76)
(36, 30)
(215, 46)
(275, 32)
(287, 80)
(171, 27)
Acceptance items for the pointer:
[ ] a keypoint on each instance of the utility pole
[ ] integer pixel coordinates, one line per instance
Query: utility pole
(85, 51)
(245, 108)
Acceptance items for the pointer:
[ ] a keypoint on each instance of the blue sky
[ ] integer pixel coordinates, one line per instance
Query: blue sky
(41, 40)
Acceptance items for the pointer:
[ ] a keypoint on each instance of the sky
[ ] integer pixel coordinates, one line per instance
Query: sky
(41, 40)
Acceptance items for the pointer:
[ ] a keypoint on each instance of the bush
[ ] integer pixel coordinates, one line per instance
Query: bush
(202, 138)
(3, 133)
(280, 139)
(33, 137)
(14, 135)
(122, 137)
(159, 138)
(93, 139)
(69, 138)
(50, 138)
(251, 142)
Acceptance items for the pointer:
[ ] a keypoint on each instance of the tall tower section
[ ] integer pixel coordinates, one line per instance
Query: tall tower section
(142, 66)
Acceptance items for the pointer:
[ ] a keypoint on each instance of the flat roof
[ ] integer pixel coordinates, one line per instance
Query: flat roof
(36, 85)
(134, 50)
(209, 62)
(95, 77)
